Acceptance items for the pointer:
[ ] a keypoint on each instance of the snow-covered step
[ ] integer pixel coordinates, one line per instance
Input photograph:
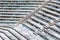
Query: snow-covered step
(8, 34)
(55, 28)
(13, 15)
(14, 10)
(46, 13)
(12, 32)
(16, 7)
(57, 10)
(1, 38)
(51, 18)
(56, 1)
(10, 18)
(53, 33)
(8, 22)
(35, 23)
(5, 37)
(29, 26)
(3, 24)
(39, 15)
(47, 36)
(54, 37)
(53, 4)
(55, 14)
(40, 19)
